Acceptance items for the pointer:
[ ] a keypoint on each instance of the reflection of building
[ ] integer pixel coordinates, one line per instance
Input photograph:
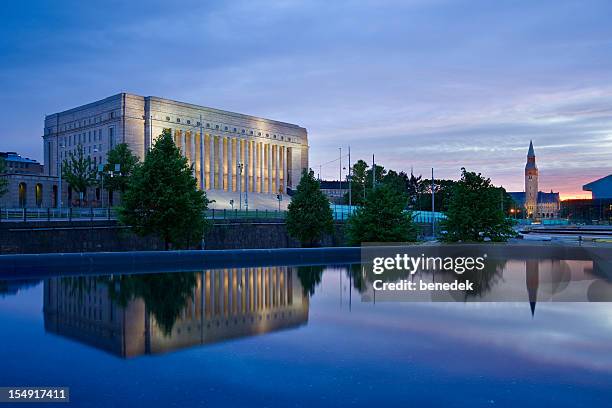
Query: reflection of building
(225, 304)
(27, 186)
(536, 204)
(273, 153)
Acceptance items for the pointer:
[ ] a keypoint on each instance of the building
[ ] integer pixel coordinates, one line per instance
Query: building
(334, 190)
(535, 203)
(28, 186)
(15, 164)
(230, 152)
(600, 188)
(224, 304)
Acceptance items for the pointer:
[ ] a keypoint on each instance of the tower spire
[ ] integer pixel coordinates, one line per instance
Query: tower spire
(531, 153)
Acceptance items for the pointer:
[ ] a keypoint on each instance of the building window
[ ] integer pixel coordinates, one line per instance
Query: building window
(23, 195)
(168, 118)
(251, 132)
(178, 120)
(258, 133)
(267, 135)
(111, 137)
(208, 125)
(217, 127)
(226, 128)
(39, 195)
(235, 129)
(54, 196)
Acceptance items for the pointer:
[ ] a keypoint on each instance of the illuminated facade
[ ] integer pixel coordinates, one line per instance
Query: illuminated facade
(223, 304)
(536, 204)
(229, 152)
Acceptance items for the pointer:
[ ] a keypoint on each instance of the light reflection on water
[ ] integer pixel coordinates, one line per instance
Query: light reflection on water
(300, 336)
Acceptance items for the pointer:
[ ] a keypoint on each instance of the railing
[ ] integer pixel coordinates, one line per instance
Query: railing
(229, 214)
(59, 214)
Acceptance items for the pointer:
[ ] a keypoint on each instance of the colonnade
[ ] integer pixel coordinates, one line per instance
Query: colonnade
(234, 163)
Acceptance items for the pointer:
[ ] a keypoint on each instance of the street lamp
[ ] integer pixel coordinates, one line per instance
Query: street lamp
(279, 197)
(239, 168)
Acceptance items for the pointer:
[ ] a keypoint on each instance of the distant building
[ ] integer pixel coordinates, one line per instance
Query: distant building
(587, 211)
(600, 188)
(334, 190)
(536, 204)
(27, 184)
(22, 165)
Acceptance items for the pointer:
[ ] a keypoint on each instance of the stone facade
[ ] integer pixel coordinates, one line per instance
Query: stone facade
(229, 151)
(29, 190)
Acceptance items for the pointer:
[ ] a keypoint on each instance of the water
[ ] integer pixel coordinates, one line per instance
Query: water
(296, 336)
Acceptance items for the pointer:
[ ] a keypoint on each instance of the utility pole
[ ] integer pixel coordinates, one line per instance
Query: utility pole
(340, 170)
(373, 172)
(350, 181)
(433, 204)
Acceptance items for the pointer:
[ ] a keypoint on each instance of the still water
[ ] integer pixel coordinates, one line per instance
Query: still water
(297, 336)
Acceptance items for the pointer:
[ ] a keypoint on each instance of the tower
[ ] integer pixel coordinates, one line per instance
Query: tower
(531, 183)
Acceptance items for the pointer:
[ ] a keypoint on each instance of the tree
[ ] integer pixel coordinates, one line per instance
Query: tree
(120, 155)
(397, 181)
(443, 192)
(358, 183)
(79, 172)
(309, 215)
(3, 181)
(162, 197)
(414, 189)
(474, 212)
(383, 218)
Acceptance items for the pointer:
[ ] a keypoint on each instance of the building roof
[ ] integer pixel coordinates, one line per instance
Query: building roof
(592, 184)
(519, 197)
(530, 153)
(14, 157)
(333, 185)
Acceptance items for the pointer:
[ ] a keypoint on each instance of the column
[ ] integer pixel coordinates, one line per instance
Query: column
(220, 163)
(230, 166)
(211, 155)
(253, 167)
(245, 186)
(276, 168)
(261, 168)
(269, 153)
(202, 163)
(192, 158)
(183, 137)
(284, 151)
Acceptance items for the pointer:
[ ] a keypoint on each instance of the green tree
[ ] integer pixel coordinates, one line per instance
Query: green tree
(79, 172)
(3, 181)
(309, 215)
(162, 197)
(383, 218)
(120, 155)
(397, 181)
(443, 192)
(358, 183)
(474, 212)
(414, 189)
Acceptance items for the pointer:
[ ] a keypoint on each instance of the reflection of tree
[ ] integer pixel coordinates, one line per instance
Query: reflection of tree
(310, 277)
(356, 273)
(11, 287)
(165, 295)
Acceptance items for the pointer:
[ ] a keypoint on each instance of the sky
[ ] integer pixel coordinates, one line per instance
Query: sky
(418, 83)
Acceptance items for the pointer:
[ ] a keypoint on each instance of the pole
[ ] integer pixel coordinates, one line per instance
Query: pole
(350, 181)
(340, 169)
(239, 166)
(373, 172)
(59, 198)
(433, 204)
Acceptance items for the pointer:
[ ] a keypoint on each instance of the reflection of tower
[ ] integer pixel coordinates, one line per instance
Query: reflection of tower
(532, 280)
(531, 183)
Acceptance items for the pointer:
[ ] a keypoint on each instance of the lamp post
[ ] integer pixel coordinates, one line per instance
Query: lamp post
(239, 167)
(279, 197)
